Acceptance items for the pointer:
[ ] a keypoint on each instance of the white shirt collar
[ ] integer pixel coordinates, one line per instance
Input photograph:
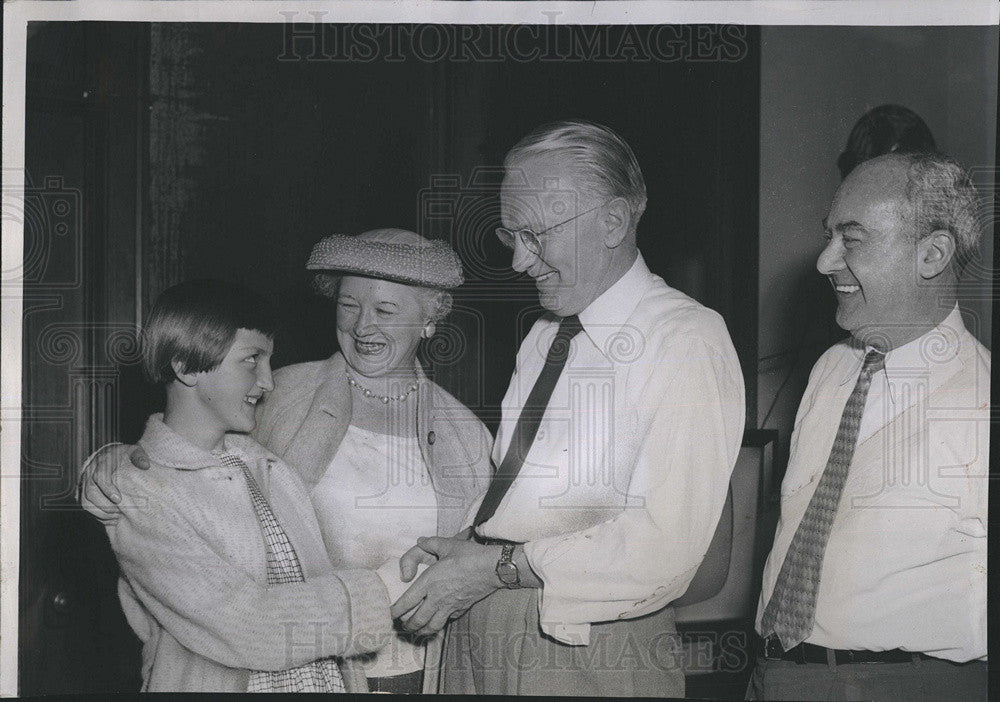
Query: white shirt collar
(931, 351)
(605, 316)
(938, 346)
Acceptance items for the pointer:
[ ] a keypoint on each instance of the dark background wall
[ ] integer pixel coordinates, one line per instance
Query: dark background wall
(225, 151)
(278, 153)
(83, 141)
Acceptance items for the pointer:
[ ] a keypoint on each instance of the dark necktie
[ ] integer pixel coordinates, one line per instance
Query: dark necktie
(791, 611)
(283, 566)
(530, 418)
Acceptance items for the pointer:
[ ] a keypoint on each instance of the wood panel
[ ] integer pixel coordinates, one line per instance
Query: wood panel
(83, 162)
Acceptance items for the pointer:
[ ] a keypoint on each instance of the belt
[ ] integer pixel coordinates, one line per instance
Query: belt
(770, 648)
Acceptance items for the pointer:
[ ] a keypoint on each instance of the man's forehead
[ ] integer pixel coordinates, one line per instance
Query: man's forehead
(534, 208)
(538, 189)
(872, 187)
(539, 179)
(878, 178)
(539, 172)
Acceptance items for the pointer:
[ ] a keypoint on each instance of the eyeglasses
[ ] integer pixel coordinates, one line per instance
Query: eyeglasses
(529, 238)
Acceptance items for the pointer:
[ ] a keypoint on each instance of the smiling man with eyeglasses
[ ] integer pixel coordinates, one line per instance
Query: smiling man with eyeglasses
(619, 432)
(552, 256)
(529, 238)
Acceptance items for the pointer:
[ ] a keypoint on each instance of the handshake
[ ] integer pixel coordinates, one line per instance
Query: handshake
(436, 580)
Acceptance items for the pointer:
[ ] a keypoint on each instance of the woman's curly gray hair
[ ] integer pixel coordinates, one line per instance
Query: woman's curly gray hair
(434, 302)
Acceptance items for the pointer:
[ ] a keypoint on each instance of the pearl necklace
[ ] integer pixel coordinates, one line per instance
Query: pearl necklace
(384, 399)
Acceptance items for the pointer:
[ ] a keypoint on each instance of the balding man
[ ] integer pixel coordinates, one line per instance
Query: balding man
(620, 430)
(876, 584)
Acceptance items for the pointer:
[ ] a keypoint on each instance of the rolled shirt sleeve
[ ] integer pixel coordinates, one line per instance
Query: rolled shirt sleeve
(690, 409)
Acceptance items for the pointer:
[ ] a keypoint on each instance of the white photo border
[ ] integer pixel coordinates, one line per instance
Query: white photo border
(18, 13)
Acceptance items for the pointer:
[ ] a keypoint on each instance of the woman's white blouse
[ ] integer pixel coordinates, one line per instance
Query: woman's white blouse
(372, 503)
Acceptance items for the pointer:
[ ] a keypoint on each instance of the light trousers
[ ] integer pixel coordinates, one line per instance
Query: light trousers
(498, 648)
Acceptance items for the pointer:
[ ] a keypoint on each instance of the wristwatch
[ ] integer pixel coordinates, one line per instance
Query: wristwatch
(507, 569)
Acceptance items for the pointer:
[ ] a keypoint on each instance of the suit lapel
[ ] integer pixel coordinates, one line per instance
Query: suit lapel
(441, 448)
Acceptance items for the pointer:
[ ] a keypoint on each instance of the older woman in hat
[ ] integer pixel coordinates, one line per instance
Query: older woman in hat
(387, 454)
(390, 455)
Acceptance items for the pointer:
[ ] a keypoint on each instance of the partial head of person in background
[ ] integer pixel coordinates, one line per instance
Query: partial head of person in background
(571, 200)
(883, 130)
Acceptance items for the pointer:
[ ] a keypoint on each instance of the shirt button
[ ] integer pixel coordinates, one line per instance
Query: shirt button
(431, 438)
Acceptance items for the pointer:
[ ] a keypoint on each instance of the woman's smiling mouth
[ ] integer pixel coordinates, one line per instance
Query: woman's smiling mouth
(369, 348)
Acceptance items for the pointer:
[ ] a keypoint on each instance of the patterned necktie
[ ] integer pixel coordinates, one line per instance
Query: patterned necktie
(283, 566)
(530, 418)
(791, 611)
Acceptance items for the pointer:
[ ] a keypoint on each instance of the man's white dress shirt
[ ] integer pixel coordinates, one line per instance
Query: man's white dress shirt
(905, 566)
(621, 491)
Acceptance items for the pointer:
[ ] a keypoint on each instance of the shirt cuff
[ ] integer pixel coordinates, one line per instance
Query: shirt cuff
(553, 610)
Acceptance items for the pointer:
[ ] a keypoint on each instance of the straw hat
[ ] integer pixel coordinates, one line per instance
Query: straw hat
(390, 254)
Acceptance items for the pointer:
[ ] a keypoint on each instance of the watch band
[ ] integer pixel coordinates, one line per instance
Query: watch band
(506, 569)
(507, 553)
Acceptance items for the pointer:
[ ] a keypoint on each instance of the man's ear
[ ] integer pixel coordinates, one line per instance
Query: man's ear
(616, 221)
(186, 378)
(935, 253)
